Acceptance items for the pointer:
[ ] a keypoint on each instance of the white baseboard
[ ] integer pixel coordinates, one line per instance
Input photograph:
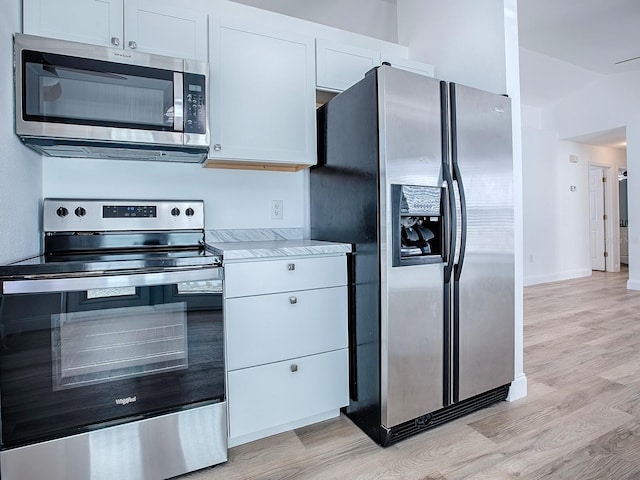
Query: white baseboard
(555, 277)
(518, 388)
(633, 284)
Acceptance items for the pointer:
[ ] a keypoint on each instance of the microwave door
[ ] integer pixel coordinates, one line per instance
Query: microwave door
(68, 97)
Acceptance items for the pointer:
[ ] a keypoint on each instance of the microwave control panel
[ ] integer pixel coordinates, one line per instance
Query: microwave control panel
(195, 113)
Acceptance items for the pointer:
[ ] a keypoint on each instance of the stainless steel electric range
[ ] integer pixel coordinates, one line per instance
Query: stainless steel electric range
(112, 347)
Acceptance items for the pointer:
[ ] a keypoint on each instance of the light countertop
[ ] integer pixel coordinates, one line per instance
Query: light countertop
(277, 248)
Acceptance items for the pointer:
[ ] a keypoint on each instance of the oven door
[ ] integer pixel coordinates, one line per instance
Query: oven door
(80, 353)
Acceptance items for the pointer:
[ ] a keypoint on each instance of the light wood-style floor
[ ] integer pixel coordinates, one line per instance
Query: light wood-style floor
(580, 420)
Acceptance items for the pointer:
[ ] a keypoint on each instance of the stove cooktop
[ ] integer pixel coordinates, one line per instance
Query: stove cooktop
(100, 263)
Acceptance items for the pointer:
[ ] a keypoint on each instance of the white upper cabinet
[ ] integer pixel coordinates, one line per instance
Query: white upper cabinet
(410, 65)
(338, 66)
(85, 21)
(164, 28)
(262, 96)
(152, 26)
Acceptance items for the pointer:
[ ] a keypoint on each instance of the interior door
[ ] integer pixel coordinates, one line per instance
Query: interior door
(596, 218)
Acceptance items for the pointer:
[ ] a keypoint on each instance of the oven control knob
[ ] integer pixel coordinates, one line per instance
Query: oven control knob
(80, 211)
(175, 211)
(189, 212)
(62, 212)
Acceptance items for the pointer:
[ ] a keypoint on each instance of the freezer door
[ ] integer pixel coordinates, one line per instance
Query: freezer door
(411, 296)
(484, 275)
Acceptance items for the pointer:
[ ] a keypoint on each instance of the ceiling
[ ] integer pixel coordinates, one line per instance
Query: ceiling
(598, 35)
(585, 39)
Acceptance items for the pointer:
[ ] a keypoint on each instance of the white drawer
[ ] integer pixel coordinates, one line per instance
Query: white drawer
(270, 328)
(270, 395)
(284, 275)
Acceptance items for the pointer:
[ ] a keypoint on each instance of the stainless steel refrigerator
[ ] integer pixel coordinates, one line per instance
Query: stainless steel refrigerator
(416, 173)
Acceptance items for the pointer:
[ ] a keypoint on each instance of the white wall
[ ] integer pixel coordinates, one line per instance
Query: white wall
(233, 198)
(463, 39)
(20, 168)
(599, 103)
(374, 18)
(556, 227)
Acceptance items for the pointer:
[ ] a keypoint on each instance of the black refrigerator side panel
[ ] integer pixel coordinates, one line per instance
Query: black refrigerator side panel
(344, 208)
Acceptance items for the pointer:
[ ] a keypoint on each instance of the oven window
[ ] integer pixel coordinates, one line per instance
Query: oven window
(103, 345)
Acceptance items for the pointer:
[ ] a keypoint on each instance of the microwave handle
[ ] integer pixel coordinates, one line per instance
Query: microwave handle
(178, 102)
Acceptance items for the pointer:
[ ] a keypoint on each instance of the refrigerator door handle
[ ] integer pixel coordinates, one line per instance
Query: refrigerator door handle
(448, 181)
(463, 220)
(457, 177)
(448, 268)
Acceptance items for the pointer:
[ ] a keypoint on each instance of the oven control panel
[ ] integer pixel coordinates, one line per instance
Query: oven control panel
(89, 215)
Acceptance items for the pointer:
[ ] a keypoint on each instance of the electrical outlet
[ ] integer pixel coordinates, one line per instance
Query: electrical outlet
(277, 211)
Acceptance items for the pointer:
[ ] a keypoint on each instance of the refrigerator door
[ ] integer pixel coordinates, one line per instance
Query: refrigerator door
(411, 296)
(484, 275)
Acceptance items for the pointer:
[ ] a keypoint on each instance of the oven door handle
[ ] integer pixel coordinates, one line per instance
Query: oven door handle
(52, 285)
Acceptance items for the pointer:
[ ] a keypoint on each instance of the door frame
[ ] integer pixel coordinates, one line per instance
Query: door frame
(611, 201)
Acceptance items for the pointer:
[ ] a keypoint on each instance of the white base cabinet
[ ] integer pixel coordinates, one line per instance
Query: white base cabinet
(286, 343)
(267, 396)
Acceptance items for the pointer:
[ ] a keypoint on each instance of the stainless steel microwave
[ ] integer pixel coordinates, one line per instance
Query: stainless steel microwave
(87, 101)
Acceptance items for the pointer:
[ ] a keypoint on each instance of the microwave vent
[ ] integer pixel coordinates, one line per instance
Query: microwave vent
(106, 151)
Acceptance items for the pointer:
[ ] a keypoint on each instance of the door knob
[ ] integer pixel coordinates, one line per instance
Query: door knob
(293, 368)
(291, 267)
(115, 41)
(293, 300)
(133, 45)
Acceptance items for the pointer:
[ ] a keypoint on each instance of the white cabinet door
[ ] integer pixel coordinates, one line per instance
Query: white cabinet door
(270, 328)
(244, 279)
(152, 26)
(165, 29)
(263, 94)
(339, 66)
(96, 22)
(410, 65)
(278, 393)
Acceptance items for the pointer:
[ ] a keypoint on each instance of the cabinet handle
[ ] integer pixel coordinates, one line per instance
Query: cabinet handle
(293, 300)
(133, 45)
(217, 147)
(291, 267)
(293, 367)
(115, 41)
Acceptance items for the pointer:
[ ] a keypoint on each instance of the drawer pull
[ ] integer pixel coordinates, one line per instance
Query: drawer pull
(293, 300)
(293, 367)
(291, 267)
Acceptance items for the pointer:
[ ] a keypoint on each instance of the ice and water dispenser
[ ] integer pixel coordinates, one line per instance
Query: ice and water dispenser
(417, 222)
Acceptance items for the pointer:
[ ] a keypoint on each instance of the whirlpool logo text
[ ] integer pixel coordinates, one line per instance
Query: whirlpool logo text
(125, 401)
